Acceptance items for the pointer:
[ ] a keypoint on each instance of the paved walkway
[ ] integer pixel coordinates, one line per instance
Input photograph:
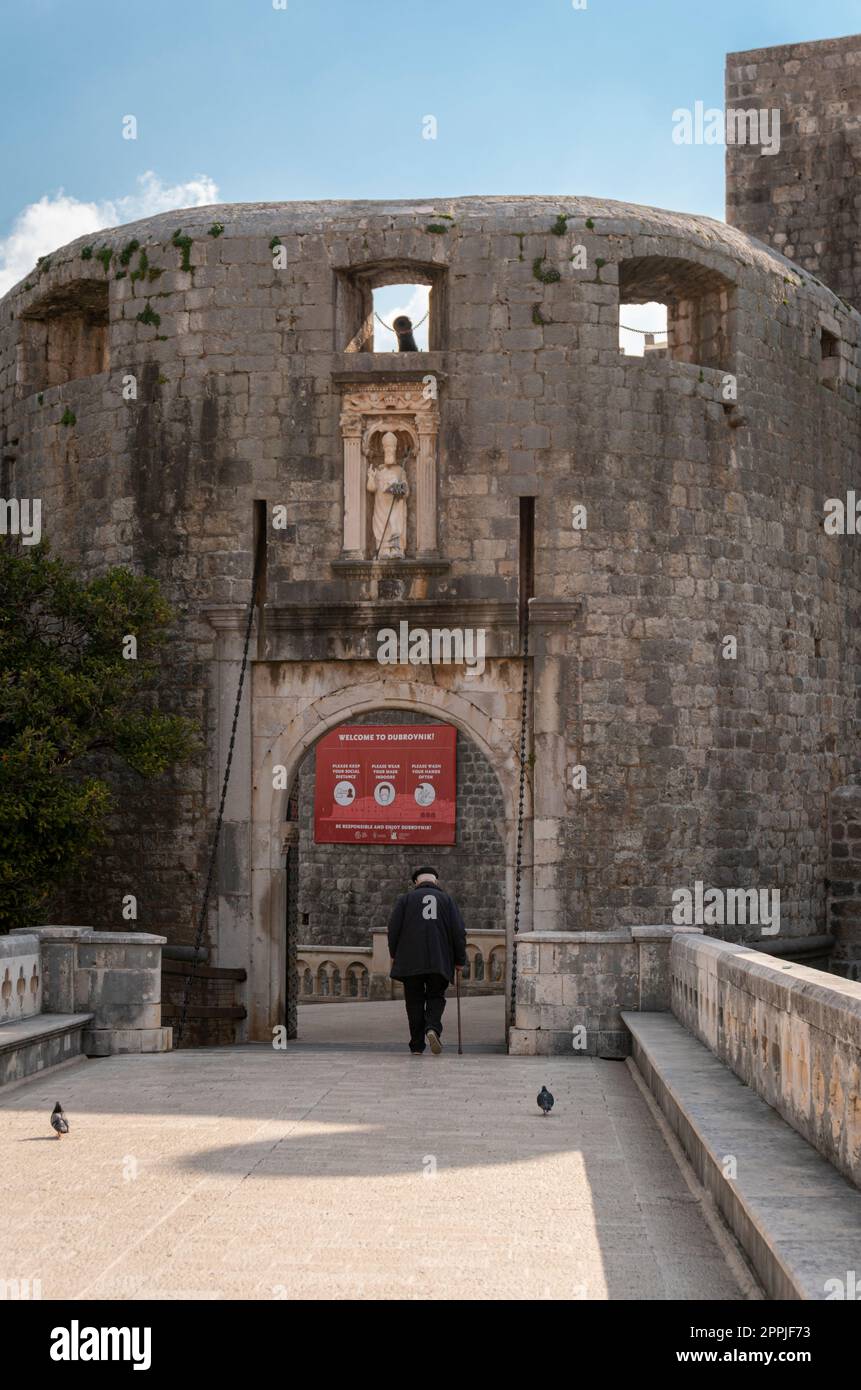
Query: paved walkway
(349, 1171)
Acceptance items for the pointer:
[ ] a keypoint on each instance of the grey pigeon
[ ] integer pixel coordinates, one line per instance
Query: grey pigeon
(59, 1121)
(545, 1100)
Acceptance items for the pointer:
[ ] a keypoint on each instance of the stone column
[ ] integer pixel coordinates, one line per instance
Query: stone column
(355, 491)
(426, 537)
(550, 624)
(232, 892)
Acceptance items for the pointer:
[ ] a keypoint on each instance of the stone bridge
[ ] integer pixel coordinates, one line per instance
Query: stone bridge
(720, 1160)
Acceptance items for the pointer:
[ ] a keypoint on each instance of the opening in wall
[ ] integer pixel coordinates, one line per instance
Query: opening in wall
(389, 291)
(643, 329)
(699, 304)
(830, 360)
(401, 318)
(64, 336)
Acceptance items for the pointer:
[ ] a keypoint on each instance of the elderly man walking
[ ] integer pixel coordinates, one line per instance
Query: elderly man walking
(427, 944)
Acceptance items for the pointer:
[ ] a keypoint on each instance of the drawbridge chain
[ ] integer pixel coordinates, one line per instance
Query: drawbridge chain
(518, 870)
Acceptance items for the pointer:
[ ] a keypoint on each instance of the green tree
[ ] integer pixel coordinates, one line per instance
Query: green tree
(74, 702)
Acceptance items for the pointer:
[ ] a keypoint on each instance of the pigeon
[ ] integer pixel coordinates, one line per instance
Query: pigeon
(545, 1100)
(59, 1121)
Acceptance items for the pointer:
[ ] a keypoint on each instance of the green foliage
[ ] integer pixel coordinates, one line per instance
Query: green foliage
(537, 316)
(275, 242)
(68, 698)
(590, 224)
(68, 417)
(183, 244)
(547, 274)
(105, 255)
(436, 228)
(143, 268)
(560, 226)
(216, 229)
(43, 263)
(87, 253)
(129, 250)
(149, 315)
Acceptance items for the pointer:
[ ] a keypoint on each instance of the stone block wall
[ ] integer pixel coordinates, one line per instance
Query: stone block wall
(804, 200)
(844, 880)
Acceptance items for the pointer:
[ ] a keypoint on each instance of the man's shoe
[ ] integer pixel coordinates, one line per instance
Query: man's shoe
(435, 1044)
(416, 1051)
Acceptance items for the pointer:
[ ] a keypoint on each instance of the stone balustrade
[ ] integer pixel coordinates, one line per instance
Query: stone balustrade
(572, 987)
(791, 1033)
(113, 976)
(342, 973)
(20, 977)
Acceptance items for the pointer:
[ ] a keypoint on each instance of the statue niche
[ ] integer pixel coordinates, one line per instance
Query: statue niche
(389, 431)
(387, 480)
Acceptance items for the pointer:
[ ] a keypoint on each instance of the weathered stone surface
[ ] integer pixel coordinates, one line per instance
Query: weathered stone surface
(791, 1033)
(803, 200)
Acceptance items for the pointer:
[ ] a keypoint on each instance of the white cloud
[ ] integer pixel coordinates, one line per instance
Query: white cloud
(648, 318)
(391, 302)
(54, 220)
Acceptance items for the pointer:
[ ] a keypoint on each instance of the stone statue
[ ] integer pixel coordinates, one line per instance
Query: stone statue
(388, 481)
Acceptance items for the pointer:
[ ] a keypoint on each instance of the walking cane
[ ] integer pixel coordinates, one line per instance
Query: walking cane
(457, 992)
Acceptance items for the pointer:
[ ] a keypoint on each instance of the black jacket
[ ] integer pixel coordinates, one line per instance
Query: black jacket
(426, 934)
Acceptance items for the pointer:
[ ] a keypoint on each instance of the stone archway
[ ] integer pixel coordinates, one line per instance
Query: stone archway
(286, 746)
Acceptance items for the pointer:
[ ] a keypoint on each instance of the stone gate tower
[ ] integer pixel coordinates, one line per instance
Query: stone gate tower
(628, 515)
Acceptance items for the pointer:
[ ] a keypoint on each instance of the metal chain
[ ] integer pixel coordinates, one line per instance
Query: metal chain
(392, 330)
(518, 870)
(201, 925)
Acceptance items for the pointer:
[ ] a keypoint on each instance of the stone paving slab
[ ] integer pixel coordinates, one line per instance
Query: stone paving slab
(337, 1173)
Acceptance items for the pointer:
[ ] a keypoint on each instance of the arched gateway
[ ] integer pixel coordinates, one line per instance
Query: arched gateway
(279, 724)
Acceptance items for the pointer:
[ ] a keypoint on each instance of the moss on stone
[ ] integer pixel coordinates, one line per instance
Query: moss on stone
(184, 245)
(548, 275)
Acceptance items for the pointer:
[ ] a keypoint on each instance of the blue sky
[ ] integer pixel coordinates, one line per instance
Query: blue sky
(235, 100)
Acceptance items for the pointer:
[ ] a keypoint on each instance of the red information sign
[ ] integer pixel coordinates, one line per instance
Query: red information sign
(386, 783)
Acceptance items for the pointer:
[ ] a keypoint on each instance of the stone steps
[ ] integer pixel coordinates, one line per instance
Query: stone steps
(31, 1045)
(796, 1218)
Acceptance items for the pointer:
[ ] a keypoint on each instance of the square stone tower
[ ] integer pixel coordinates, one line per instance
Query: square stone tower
(804, 200)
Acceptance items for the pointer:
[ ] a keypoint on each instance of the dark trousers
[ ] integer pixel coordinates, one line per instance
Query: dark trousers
(424, 996)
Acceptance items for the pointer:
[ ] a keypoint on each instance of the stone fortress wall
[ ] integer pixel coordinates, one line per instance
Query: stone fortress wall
(704, 513)
(806, 199)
